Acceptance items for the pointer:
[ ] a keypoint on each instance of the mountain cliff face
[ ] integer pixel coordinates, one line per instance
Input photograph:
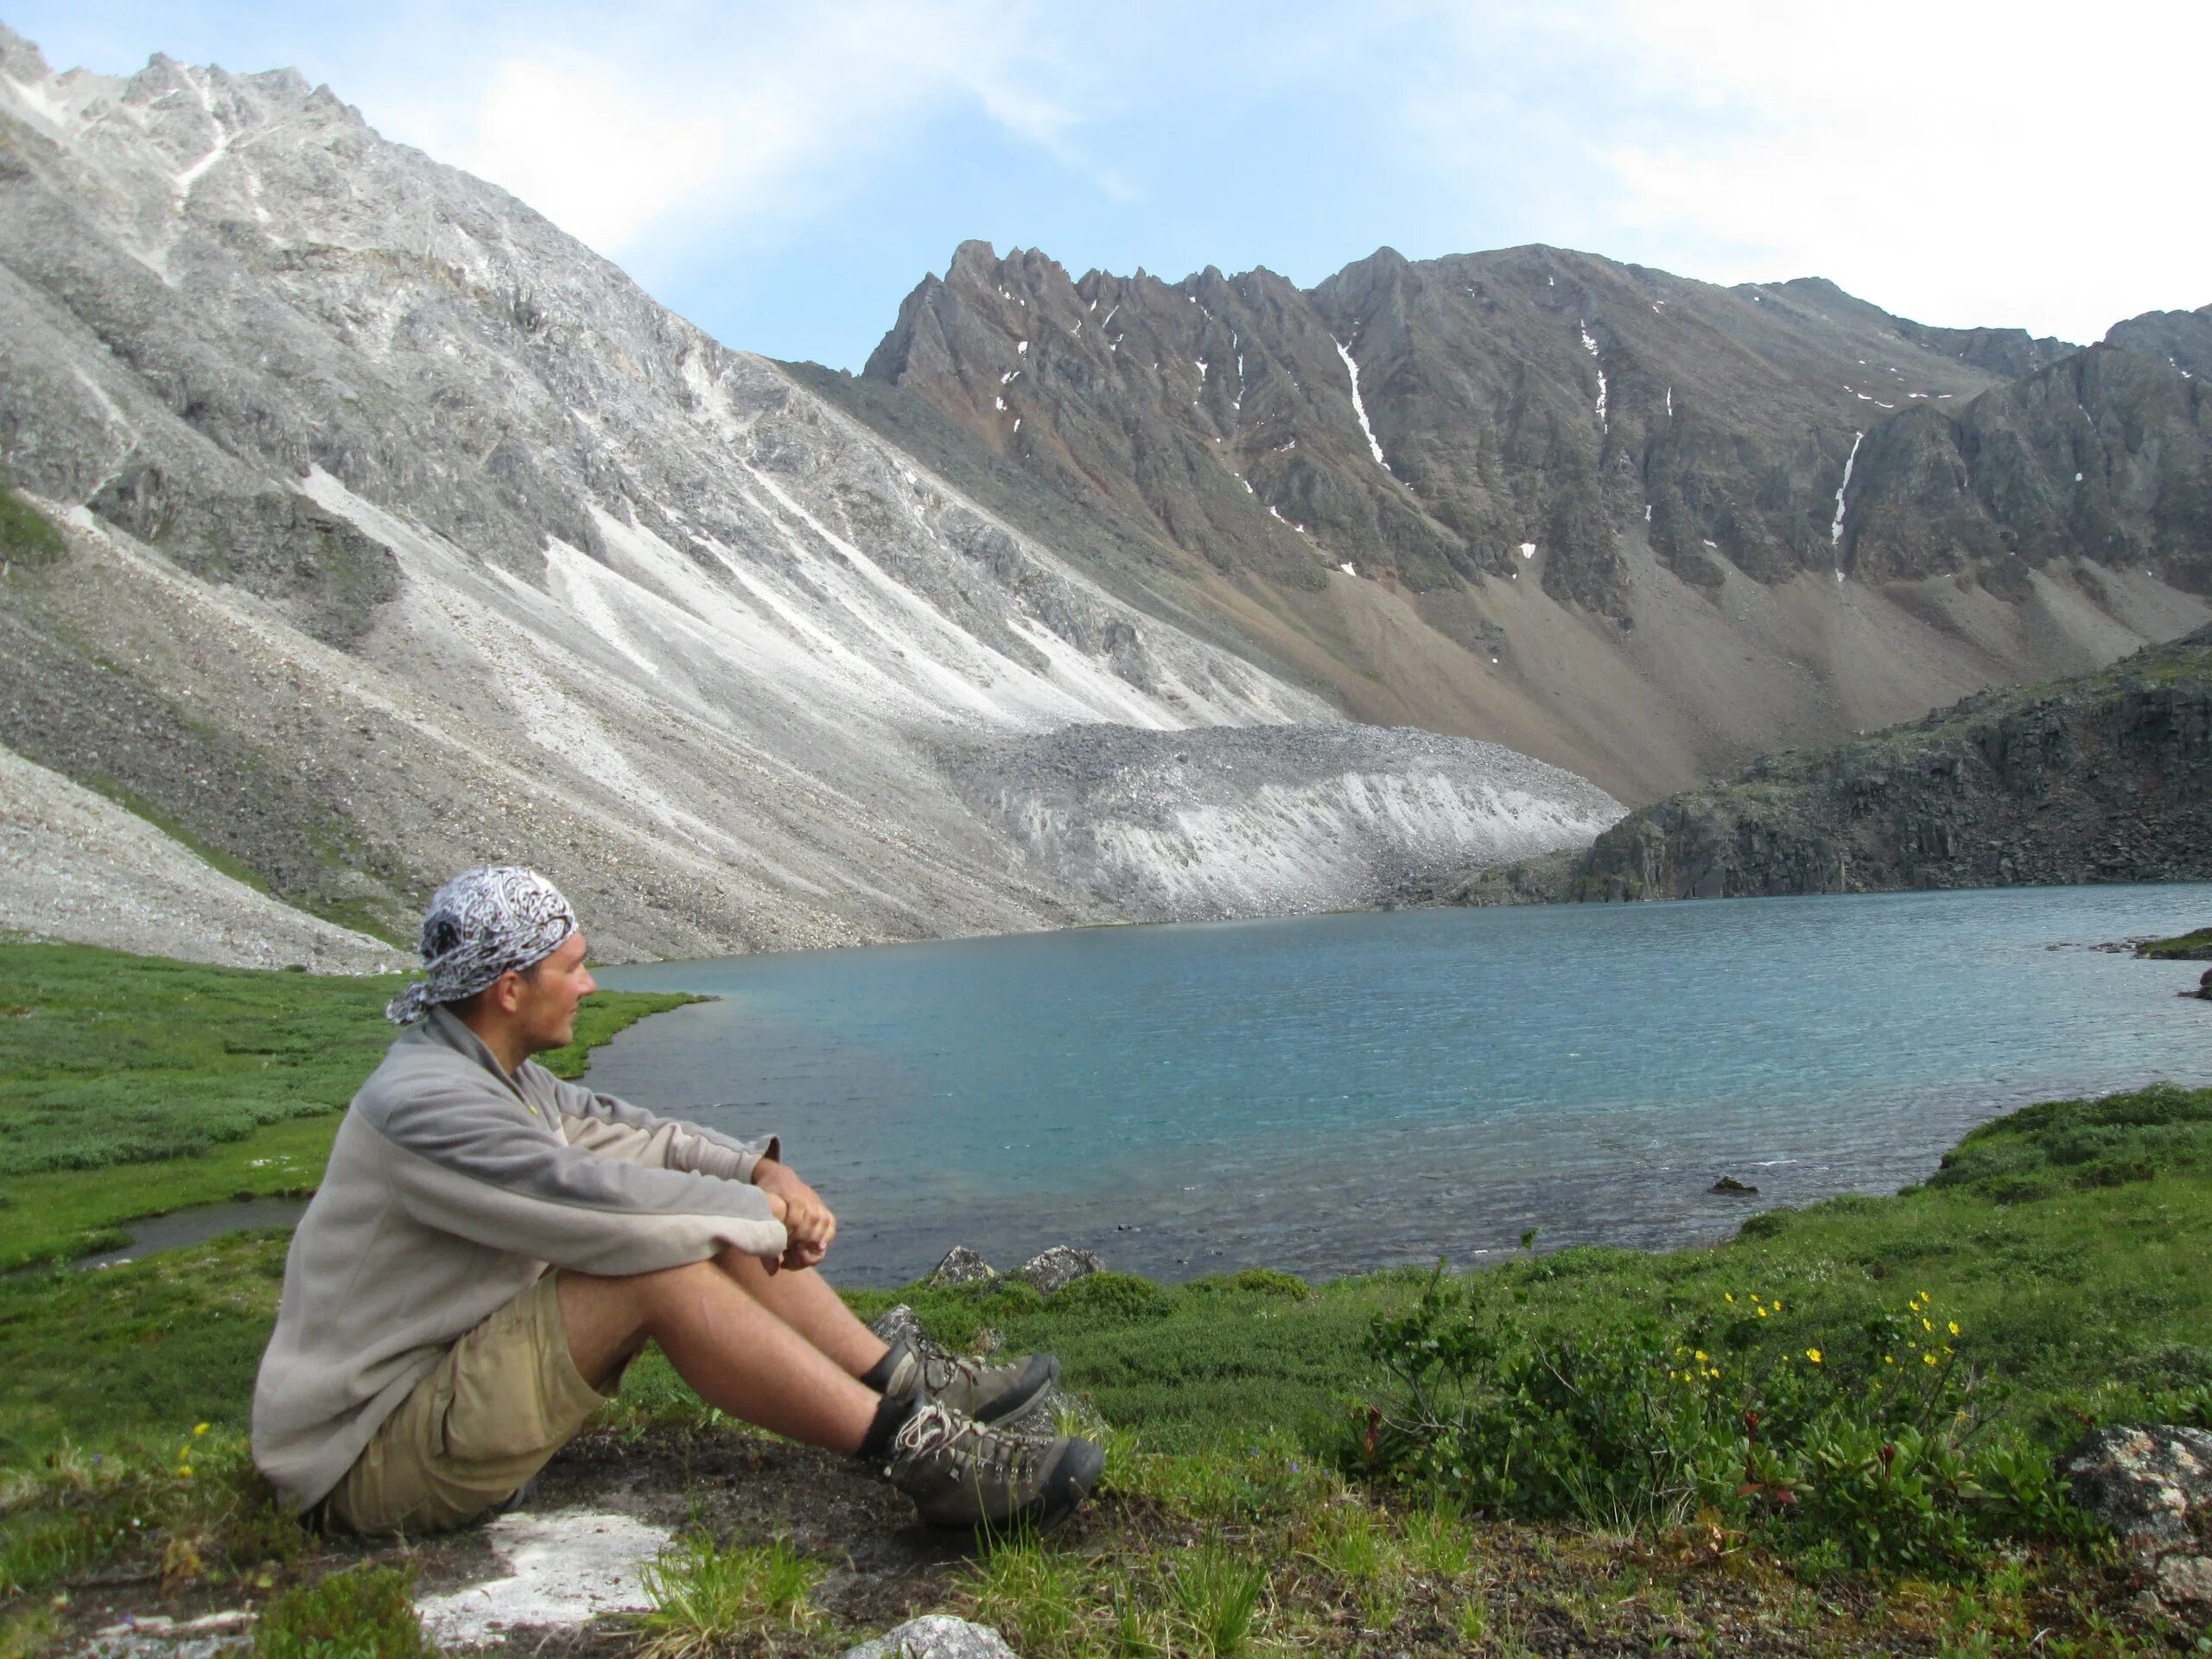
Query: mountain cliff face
(1642, 526)
(402, 532)
(2106, 778)
(2182, 339)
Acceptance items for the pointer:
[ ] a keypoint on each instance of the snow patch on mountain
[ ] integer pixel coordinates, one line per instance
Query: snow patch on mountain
(1359, 409)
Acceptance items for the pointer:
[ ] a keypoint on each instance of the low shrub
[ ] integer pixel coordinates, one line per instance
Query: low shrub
(1863, 1450)
(364, 1612)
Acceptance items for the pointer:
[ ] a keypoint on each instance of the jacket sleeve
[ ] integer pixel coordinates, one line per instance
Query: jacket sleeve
(469, 1162)
(615, 1128)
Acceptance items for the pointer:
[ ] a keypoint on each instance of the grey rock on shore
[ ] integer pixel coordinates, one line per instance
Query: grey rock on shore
(2153, 1487)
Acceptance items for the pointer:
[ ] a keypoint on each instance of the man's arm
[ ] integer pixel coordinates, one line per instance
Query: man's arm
(615, 1128)
(465, 1161)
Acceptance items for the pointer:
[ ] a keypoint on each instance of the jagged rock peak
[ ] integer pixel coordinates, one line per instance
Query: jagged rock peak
(2181, 339)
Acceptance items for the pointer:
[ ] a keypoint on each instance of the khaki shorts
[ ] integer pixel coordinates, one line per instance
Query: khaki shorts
(491, 1414)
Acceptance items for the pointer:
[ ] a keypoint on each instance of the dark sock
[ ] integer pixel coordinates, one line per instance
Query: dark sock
(878, 1375)
(891, 1416)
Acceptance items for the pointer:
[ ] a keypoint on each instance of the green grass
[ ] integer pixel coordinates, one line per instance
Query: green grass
(214, 857)
(2186, 947)
(706, 1596)
(131, 1086)
(27, 535)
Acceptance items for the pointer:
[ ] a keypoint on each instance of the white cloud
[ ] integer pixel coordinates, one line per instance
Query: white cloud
(595, 157)
(692, 118)
(1956, 162)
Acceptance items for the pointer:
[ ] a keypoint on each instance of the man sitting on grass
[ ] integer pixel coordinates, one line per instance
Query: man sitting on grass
(491, 1245)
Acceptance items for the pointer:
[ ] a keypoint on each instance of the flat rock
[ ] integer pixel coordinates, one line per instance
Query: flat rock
(564, 1569)
(156, 1635)
(1051, 1270)
(935, 1635)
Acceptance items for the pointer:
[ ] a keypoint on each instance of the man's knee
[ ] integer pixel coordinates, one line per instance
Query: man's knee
(610, 1317)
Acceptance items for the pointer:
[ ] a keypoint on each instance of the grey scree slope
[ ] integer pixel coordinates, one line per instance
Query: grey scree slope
(407, 534)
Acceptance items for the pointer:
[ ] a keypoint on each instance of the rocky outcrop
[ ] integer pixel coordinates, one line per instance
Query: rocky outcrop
(2104, 778)
(1424, 420)
(2153, 1487)
(960, 1266)
(1056, 1269)
(2106, 456)
(2182, 339)
(1543, 497)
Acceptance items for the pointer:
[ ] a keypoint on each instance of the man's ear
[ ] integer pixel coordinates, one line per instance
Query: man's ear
(505, 992)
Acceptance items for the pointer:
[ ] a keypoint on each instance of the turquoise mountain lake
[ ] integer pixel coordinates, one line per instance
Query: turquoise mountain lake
(1336, 1093)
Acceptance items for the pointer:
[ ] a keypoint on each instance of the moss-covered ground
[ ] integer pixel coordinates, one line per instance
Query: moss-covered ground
(2195, 946)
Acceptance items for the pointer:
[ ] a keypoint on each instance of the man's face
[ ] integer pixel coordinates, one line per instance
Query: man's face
(546, 1010)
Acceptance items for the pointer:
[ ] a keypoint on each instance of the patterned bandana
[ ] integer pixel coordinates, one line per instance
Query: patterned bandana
(480, 925)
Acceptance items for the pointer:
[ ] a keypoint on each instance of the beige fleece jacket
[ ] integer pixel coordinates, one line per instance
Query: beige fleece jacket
(451, 1187)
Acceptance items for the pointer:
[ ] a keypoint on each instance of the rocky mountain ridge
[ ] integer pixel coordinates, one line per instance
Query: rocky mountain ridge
(1511, 493)
(401, 532)
(2104, 778)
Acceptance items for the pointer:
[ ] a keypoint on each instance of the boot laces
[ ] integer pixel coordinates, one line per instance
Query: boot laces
(941, 1371)
(936, 1430)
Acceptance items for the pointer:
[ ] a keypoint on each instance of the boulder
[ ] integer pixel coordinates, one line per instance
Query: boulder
(960, 1266)
(1049, 1270)
(898, 1324)
(2152, 1486)
(935, 1635)
(1730, 1184)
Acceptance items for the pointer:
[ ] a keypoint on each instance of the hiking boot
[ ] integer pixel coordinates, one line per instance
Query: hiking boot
(962, 1474)
(989, 1393)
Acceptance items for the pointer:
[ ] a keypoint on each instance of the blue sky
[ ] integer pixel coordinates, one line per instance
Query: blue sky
(784, 174)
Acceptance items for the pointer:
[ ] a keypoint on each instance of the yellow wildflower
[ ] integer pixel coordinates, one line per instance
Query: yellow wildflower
(1728, 1295)
(201, 1428)
(1928, 1359)
(1700, 1355)
(1926, 1326)
(1954, 1327)
(1813, 1354)
(1762, 1313)
(1778, 1304)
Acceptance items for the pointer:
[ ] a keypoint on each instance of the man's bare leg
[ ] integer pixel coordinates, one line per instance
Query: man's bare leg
(805, 1300)
(739, 1356)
